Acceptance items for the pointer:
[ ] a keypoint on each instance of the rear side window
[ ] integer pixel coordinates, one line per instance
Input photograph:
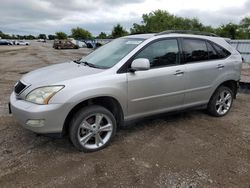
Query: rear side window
(161, 53)
(194, 50)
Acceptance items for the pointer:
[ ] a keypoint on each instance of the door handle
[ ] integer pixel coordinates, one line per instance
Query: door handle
(220, 66)
(178, 73)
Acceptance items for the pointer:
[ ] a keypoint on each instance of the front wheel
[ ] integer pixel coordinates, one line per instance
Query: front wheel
(92, 128)
(221, 102)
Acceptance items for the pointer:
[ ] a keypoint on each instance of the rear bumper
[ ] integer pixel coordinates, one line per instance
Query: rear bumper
(51, 117)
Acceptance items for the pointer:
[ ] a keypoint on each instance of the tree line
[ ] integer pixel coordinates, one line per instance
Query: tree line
(156, 21)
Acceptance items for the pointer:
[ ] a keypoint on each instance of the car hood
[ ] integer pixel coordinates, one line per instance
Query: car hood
(57, 73)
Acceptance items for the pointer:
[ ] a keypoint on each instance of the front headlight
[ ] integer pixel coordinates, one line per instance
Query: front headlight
(42, 95)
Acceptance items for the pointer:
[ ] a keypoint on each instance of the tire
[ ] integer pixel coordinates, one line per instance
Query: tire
(92, 136)
(221, 102)
(89, 45)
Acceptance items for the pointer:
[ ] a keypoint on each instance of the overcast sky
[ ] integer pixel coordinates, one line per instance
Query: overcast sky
(49, 16)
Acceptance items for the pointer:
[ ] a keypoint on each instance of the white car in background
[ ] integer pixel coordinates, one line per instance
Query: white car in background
(79, 43)
(41, 40)
(22, 42)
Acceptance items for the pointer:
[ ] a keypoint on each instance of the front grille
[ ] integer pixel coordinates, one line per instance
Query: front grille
(19, 87)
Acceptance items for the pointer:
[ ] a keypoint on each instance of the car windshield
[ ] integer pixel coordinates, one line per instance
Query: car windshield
(110, 54)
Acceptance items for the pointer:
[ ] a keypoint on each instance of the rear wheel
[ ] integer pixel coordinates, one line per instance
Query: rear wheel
(221, 102)
(92, 128)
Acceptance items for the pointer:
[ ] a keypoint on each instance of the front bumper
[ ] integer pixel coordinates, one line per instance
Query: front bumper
(52, 115)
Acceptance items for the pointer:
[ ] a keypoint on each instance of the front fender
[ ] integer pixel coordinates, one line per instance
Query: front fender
(79, 90)
(117, 94)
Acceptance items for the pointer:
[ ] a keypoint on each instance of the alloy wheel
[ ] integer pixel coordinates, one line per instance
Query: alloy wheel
(95, 131)
(223, 102)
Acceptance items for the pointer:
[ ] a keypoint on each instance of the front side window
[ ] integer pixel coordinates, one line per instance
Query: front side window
(194, 50)
(161, 53)
(110, 54)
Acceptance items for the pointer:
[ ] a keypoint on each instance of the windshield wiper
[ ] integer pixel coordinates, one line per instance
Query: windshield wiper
(77, 61)
(91, 65)
(88, 64)
(84, 62)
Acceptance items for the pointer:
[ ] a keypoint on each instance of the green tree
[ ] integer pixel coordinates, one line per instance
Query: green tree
(42, 36)
(5, 36)
(229, 30)
(51, 37)
(244, 28)
(102, 35)
(30, 37)
(13, 36)
(161, 20)
(61, 35)
(245, 23)
(80, 33)
(118, 31)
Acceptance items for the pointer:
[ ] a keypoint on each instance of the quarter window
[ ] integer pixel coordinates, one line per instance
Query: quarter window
(212, 52)
(194, 50)
(222, 53)
(161, 53)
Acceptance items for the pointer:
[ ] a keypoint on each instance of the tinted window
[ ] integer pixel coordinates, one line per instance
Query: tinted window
(222, 53)
(161, 53)
(212, 53)
(194, 50)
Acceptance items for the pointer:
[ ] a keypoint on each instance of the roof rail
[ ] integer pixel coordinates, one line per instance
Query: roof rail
(187, 32)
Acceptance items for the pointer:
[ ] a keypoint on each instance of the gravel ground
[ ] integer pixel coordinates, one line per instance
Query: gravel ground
(245, 74)
(189, 149)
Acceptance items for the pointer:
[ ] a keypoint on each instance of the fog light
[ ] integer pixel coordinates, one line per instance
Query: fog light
(35, 122)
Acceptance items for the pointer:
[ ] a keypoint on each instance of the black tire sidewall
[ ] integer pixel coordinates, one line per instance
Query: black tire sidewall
(212, 103)
(79, 117)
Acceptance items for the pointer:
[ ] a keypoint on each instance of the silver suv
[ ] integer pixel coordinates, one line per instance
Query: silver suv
(129, 78)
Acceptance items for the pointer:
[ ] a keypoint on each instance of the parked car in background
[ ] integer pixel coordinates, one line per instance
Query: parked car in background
(129, 78)
(5, 42)
(13, 42)
(79, 43)
(22, 42)
(41, 40)
(64, 44)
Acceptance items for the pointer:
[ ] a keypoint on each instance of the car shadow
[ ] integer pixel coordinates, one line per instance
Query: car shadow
(164, 117)
(64, 144)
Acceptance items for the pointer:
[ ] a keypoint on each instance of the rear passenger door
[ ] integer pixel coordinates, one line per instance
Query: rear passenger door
(204, 66)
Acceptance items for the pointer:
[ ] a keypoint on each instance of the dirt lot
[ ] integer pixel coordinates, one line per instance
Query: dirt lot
(245, 73)
(190, 149)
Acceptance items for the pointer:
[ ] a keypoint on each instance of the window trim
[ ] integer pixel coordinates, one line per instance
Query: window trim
(125, 67)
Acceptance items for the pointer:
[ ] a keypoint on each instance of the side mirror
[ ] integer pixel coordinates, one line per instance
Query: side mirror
(140, 64)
